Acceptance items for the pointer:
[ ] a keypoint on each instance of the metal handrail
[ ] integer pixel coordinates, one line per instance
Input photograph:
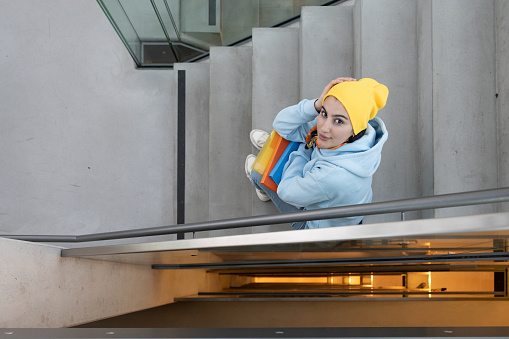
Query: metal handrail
(417, 204)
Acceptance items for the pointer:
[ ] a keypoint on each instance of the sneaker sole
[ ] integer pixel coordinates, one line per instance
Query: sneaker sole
(262, 195)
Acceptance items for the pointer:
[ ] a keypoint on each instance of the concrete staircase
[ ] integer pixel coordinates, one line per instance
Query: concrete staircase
(444, 62)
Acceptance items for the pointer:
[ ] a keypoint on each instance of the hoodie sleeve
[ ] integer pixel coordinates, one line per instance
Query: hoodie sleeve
(293, 123)
(298, 188)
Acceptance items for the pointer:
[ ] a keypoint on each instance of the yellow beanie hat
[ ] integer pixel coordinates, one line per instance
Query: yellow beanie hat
(362, 100)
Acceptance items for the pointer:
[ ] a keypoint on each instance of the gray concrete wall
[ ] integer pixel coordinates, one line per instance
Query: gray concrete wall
(39, 289)
(85, 138)
(502, 16)
(386, 50)
(464, 103)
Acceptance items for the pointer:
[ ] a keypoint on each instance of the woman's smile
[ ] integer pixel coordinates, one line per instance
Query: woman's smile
(323, 137)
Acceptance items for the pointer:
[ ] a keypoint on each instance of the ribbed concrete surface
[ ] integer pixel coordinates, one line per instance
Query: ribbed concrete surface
(326, 47)
(230, 124)
(464, 108)
(387, 52)
(502, 13)
(275, 86)
(425, 101)
(196, 140)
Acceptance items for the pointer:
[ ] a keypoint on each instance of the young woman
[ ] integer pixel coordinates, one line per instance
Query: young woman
(341, 144)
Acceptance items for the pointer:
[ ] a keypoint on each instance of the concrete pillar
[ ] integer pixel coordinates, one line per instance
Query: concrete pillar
(386, 50)
(275, 86)
(326, 49)
(230, 124)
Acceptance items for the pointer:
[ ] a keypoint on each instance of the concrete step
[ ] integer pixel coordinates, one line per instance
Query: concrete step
(275, 86)
(428, 73)
(386, 50)
(230, 124)
(458, 78)
(326, 47)
(275, 73)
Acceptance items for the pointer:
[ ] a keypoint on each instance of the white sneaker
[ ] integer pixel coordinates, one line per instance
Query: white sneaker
(248, 165)
(258, 138)
(262, 195)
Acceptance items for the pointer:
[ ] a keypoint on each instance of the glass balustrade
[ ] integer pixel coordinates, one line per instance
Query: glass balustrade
(158, 33)
(451, 258)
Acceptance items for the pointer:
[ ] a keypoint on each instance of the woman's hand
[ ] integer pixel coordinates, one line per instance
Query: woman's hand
(318, 102)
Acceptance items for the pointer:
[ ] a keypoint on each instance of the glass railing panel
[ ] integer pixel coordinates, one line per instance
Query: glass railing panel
(201, 23)
(146, 20)
(355, 246)
(139, 27)
(455, 258)
(123, 26)
(167, 12)
(238, 18)
(183, 46)
(274, 12)
(161, 32)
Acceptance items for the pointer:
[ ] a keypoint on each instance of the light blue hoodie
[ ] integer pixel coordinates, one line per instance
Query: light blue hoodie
(320, 178)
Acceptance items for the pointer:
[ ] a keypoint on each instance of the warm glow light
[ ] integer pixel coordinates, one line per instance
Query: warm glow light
(372, 284)
(429, 283)
(290, 280)
(355, 280)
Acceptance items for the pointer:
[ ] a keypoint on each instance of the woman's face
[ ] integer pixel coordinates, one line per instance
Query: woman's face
(333, 126)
